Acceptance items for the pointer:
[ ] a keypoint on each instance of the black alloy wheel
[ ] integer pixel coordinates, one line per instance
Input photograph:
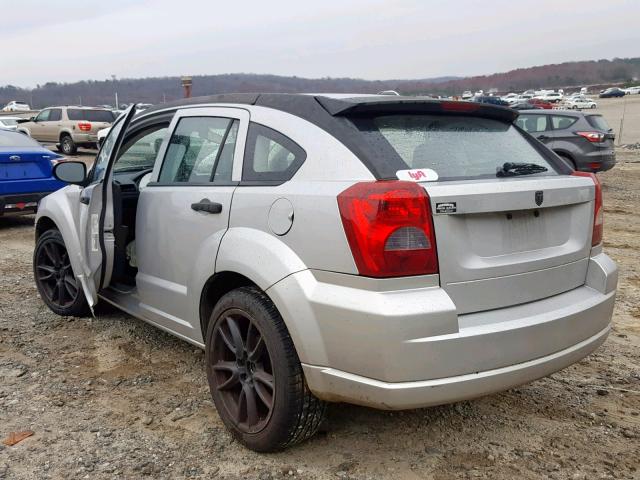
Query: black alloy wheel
(242, 371)
(56, 282)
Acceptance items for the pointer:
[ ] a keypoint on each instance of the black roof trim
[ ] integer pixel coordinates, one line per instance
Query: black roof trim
(332, 115)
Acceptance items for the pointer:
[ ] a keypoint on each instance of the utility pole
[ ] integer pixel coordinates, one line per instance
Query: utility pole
(186, 84)
(117, 104)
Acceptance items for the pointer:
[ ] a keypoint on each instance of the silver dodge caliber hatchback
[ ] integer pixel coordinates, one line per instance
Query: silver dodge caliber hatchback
(385, 251)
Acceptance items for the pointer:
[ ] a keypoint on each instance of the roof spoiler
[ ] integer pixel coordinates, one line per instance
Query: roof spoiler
(366, 106)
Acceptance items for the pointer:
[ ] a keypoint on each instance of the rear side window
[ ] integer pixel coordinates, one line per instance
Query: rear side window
(455, 147)
(198, 147)
(560, 122)
(270, 156)
(532, 123)
(598, 121)
(90, 115)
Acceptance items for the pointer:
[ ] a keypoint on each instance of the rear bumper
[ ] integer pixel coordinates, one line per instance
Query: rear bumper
(397, 346)
(596, 161)
(18, 204)
(336, 385)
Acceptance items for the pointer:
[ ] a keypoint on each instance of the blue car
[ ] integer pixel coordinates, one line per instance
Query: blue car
(25, 173)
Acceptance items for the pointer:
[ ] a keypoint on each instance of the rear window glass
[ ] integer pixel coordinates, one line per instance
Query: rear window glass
(455, 147)
(598, 121)
(14, 139)
(90, 115)
(560, 122)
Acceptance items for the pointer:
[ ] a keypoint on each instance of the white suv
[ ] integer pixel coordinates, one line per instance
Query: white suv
(387, 251)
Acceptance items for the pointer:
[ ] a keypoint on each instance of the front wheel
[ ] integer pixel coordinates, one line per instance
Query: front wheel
(58, 286)
(255, 376)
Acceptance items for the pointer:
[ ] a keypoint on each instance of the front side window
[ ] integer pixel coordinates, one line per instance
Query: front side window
(198, 147)
(455, 147)
(140, 151)
(532, 123)
(43, 116)
(102, 160)
(270, 156)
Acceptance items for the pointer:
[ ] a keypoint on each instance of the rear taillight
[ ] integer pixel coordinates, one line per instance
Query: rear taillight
(598, 211)
(389, 228)
(594, 137)
(84, 126)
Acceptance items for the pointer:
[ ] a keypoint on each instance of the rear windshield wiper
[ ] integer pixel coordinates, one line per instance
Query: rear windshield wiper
(509, 169)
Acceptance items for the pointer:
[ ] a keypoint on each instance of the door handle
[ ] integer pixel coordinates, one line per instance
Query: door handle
(207, 206)
(543, 137)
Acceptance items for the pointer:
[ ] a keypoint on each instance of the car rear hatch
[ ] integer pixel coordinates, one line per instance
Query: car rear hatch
(25, 164)
(605, 142)
(505, 238)
(90, 121)
(509, 241)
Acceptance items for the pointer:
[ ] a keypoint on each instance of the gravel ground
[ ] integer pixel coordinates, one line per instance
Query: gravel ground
(111, 397)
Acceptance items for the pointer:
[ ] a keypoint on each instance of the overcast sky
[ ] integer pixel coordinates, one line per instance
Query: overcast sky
(68, 40)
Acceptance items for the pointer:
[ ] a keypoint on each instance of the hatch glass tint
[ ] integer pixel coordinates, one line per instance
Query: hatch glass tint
(455, 147)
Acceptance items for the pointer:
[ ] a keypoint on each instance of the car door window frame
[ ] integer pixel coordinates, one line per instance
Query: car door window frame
(270, 178)
(232, 113)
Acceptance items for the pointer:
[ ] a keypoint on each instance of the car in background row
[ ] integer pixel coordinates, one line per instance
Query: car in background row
(539, 103)
(524, 105)
(577, 103)
(68, 127)
(583, 140)
(632, 90)
(25, 173)
(553, 97)
(491, 100)
(16, 106)
(612, 93)
(9, 123)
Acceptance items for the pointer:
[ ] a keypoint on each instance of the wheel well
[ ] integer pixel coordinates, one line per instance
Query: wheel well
(218, 285)
(44, 224)
(64, 134)
(567, 157)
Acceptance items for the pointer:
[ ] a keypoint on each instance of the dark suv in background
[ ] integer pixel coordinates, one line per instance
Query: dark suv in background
(584, 140)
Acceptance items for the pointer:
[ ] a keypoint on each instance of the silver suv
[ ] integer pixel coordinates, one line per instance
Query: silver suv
(68, 127)
(386, 251)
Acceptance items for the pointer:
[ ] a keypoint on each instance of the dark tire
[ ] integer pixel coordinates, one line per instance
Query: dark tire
(67, 145)
(568, 159)
(57, 284)
(255, 376)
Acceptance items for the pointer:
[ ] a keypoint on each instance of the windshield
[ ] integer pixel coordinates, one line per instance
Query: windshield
(14, 139)
(455, 147)
(90, 115)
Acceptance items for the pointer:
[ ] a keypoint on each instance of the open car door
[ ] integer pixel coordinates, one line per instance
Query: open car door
(96, 213)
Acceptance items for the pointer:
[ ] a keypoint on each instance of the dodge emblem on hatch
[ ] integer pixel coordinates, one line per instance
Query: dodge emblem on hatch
(539, 197)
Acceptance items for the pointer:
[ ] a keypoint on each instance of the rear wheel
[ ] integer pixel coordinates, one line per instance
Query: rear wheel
(58, 286)
(67, 145)
(255, 376)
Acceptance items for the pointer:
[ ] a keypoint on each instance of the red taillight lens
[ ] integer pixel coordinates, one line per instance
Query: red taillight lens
(598, 212)
(593, 137)
(84, 126)
(389, 228)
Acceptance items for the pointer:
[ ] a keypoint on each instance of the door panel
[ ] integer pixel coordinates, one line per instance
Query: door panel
(95, 225)
(178, 225)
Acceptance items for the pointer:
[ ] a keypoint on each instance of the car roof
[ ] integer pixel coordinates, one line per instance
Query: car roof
(315, 106)
(565, 113)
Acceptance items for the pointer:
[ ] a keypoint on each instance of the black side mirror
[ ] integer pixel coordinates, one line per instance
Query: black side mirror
(71, 172)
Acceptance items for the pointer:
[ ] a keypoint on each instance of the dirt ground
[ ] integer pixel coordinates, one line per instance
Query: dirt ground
(112, 397)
